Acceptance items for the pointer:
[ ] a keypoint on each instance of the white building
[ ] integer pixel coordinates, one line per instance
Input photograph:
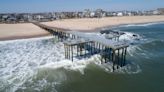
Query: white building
(92, 14)
(38, 17)
(87, 13)
(129, 14)
(119, 14)
(156, 12)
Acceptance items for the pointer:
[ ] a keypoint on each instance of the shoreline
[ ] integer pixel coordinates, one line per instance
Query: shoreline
(12, 38)
(113, 26)
(92, 24)
(32, 31)
(22, 37)
(110, 27)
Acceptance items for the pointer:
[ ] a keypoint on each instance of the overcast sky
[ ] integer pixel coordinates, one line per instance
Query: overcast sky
(10, 6)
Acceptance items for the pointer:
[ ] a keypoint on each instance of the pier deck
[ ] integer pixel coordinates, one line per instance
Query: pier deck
(90, 44)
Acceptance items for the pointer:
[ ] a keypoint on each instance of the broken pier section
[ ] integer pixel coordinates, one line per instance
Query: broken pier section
(82, 45)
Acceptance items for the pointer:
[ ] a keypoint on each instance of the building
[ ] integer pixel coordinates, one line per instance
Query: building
(28, 17)
(5, 17)
(140, 13)
(80, 15)
(155, 12)
(161, 11)
(92, 14)
(120, 14)
(11, 20)
(109, 14)
(86, 13)
(100, 13)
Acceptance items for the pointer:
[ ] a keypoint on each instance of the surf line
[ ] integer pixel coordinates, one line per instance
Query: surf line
(81, 45)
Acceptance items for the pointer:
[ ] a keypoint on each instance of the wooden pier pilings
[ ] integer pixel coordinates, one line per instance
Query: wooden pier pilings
(77, 46)
(118, 56)
(59, 33)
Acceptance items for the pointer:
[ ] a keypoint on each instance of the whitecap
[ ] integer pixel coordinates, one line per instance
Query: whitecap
(141, 24)
(21, 59)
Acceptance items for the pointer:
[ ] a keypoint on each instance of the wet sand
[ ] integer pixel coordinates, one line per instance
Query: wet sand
(29, 30)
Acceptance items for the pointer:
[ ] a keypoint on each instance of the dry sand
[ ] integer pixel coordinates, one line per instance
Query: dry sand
(91, 24)
(28, 30)
(19, 31)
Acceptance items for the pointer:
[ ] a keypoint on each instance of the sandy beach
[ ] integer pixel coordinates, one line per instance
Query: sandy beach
(20, 31)
(29, 30)
(91, 24)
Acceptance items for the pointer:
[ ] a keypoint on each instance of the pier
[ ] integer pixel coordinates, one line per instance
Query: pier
(81, 45)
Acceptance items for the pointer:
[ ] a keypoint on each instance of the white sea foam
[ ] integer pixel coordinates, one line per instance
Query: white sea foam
(128, 69)
(130, 36)
(141, 25)
(21, 59)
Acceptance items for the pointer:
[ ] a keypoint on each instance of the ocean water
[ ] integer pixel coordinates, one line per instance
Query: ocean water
(38, 65)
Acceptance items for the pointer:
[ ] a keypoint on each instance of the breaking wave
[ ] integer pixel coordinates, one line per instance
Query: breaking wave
(141, 24)
(22, 60)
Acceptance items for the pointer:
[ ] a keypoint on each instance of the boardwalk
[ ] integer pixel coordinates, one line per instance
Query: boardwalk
(79, 44)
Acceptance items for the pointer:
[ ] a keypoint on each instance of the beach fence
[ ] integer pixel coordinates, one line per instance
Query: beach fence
(81, 45)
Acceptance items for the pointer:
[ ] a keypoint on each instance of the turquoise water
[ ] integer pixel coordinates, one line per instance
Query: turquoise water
(144, 71)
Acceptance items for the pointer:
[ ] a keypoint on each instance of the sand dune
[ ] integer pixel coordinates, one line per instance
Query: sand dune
(87, 24)
(18, 31)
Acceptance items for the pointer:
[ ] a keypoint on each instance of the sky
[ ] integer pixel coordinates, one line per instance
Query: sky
(23, 6)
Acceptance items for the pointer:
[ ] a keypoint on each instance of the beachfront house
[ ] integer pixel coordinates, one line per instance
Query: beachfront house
(54, 17)
(28, 17)
(1, 18)
(86, 13)
(80, 15)
(92, 14)
(70, 14)
(156, 12)
(20, 18)
(140, 13)
(62, 15)
(100, 13)
(75, 14)
(49, 16)
(109, 14)
(114, 13)
(134, 13)
(37, 17)
(125, 13)
(11, 20)
(42, 17)
(57, 15)
(161, 11)
(119, 14)
(152, 12)
(5, 17)
(129, 14)
(46, 17)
